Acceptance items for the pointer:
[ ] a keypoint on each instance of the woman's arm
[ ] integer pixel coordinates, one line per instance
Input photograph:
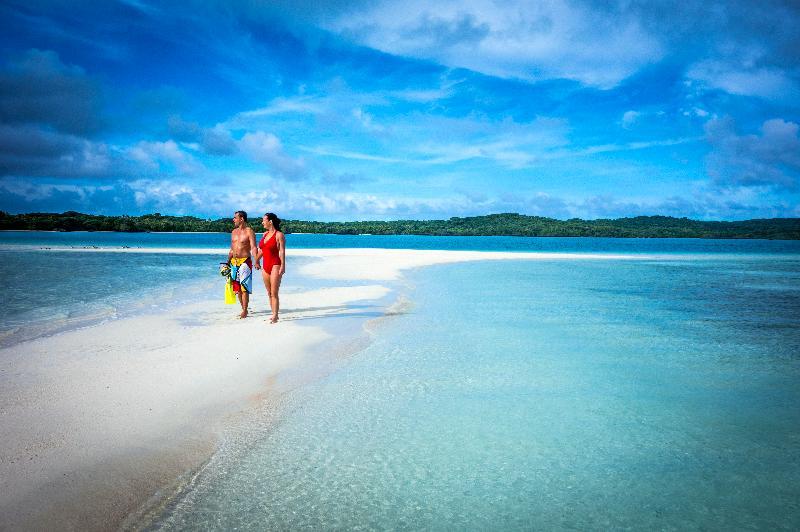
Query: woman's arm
(281, 241)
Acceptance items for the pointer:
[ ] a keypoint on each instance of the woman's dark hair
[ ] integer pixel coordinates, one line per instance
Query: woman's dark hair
(276, 222)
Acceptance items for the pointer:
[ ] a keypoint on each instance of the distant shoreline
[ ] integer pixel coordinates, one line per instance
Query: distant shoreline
(507, 224)
(110, 231)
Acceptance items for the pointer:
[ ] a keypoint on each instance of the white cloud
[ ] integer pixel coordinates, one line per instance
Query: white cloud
(29, 150)
(339, 108)
(422, 96)
(345, 154)
(296, 201)
(528, 40)
(699, 203)
(165, 195)
(278, 106)
(161, 155)
(741, 77)
(770, 160)
(696, 111)
(267, 148)
(509, 143)
(452, 140)
(629, 118)
(519, 152)
(366, 120)
(218, 141)
(628, 146)
(696, 204)
(174, 197)
(508, 152)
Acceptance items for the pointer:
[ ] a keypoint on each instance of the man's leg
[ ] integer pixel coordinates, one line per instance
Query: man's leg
(239, 297)
(244, 299)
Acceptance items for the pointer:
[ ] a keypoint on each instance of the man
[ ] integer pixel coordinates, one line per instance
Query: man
(243, 245)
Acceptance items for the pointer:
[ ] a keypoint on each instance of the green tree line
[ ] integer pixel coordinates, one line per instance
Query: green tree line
(508, 224)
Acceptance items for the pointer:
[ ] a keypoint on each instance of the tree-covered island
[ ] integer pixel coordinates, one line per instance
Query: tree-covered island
(507, 224)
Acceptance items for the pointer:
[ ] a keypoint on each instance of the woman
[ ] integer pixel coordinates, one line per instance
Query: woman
(272, 249)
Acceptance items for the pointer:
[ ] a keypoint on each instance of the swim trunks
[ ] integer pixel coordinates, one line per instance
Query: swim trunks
(269, 249)
(242, 274)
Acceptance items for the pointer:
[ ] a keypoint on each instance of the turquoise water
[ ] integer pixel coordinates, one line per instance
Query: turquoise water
(58, 281)
(47, 292)
(555, 394)
(540, 395)
(476, 243)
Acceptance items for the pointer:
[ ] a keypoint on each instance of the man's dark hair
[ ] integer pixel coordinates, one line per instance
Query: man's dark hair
(243, 214)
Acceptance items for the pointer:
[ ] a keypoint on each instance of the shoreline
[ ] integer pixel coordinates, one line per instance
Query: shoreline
(101, 419)
(101, 423)
(244, 428)
(426, 256)
(94, 426)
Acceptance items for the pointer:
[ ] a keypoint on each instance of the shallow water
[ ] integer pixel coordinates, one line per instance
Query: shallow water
(540, 395)
(56, 281)
(45, 291)
(555, 394)
(83, 239)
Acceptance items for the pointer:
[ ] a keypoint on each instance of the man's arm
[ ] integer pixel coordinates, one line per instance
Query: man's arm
(252, 236)
(230, 251)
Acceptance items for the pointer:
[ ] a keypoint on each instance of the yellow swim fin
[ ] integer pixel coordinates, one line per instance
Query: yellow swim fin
(230, 297)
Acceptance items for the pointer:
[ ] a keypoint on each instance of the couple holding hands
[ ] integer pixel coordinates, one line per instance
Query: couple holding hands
(271, 248)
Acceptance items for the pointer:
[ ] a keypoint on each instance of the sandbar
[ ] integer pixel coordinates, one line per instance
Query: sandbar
(96, 421)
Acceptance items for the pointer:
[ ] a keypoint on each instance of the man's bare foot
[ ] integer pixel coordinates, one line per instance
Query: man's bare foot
(243, 314)
(274, 319)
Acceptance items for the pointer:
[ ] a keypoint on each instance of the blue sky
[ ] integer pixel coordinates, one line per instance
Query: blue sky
(349, 110)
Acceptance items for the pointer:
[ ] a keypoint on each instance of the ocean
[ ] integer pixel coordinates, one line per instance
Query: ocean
(661, 392)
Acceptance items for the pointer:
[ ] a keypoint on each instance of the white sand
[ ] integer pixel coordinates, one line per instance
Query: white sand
(387, 264)
(94, 421)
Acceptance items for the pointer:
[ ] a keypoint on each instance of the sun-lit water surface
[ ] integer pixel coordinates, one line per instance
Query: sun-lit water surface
(85, 239)
(540, 395)
(558, 394)
(45, 291)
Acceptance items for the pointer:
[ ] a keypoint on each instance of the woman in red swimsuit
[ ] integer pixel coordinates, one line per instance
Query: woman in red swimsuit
(272, 249)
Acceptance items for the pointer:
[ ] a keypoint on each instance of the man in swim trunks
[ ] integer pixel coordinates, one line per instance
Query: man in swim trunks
(243, 245)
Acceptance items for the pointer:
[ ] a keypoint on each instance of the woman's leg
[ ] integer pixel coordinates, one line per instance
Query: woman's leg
(274, 300)
(265, 277)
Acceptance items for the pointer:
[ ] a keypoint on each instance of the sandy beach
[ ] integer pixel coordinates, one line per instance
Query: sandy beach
(98, 420)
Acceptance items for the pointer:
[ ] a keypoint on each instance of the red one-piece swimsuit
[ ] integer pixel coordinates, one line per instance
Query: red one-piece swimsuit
(269, 250)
